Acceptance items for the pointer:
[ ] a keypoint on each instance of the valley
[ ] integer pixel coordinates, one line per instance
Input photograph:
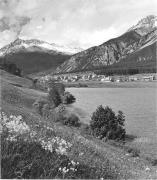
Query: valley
(52, 123)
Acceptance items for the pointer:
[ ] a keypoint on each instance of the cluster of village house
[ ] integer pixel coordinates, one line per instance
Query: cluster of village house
(102, 78)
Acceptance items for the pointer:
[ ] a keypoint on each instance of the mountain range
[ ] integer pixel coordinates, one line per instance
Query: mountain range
(35, 55)
(136, 48)
(32, 45)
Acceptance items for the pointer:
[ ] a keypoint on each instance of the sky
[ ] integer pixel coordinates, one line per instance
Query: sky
(75, 23)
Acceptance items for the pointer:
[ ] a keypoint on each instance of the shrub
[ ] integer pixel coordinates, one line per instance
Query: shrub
(11, 68)
(37, 84)
(134, 152)
(60, 109)
(72, 120)
(68, 98)
(51, 84)
(57, 114)
(154, 162)
(54, 97)
(82, 85)
(104, 123)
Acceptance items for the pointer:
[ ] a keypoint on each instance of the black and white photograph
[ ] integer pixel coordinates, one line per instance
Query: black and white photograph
(78, 89)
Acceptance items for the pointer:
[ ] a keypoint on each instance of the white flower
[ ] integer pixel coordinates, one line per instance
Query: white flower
(11, 138)
(73, 169)
(14, 123)
(147, 169)
(64, 170)
(11, 116)
(73, 163)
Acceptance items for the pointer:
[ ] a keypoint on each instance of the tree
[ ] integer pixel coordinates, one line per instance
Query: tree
(54, 97)
(104, 123)
(11, 68)
(58, 86)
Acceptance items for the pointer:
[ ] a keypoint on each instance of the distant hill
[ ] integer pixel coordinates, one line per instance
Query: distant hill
(33, 56)
(135, 48)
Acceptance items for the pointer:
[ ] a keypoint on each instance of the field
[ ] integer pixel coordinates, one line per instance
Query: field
(99, 159)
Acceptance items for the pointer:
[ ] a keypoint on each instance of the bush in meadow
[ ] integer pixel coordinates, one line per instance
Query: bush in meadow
(56, 116)
(134, 152)
(105, 124)
(68, 98)
(72, 120)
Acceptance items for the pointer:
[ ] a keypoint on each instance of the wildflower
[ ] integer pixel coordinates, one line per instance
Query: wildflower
(14, 123)
(32, 134)
(73, 169)
(147, 169)
(64, 170)
(11, 138)
(61, 150)
(73, 163)
(80, 154)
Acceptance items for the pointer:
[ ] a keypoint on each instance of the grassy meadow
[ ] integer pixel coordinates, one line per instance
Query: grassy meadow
(36, 147)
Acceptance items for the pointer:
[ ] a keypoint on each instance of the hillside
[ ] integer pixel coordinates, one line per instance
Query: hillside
(128, 50)
(32, 56)
(33, 62)
(96, 158)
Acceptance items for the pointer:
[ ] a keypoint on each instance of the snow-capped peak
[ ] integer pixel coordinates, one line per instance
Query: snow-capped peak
(34, 45)
(145, 25)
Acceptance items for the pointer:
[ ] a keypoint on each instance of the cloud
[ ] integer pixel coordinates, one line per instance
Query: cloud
(82, 23)
(14, 23)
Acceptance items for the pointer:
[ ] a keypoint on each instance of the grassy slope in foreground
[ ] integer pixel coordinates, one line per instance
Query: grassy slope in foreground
(108, 159)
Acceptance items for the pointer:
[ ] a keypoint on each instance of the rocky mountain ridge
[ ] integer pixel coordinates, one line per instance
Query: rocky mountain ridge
(140, 36)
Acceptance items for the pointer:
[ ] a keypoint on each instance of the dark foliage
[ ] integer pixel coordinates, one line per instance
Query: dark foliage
(68, 98)
(55, 85)
(11, 68)
(54, 97)
(104, 123)
(72, 120)
(134, 152)
(154, 162)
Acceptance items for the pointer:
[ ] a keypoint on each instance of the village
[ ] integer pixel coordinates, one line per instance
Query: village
(91, 76)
